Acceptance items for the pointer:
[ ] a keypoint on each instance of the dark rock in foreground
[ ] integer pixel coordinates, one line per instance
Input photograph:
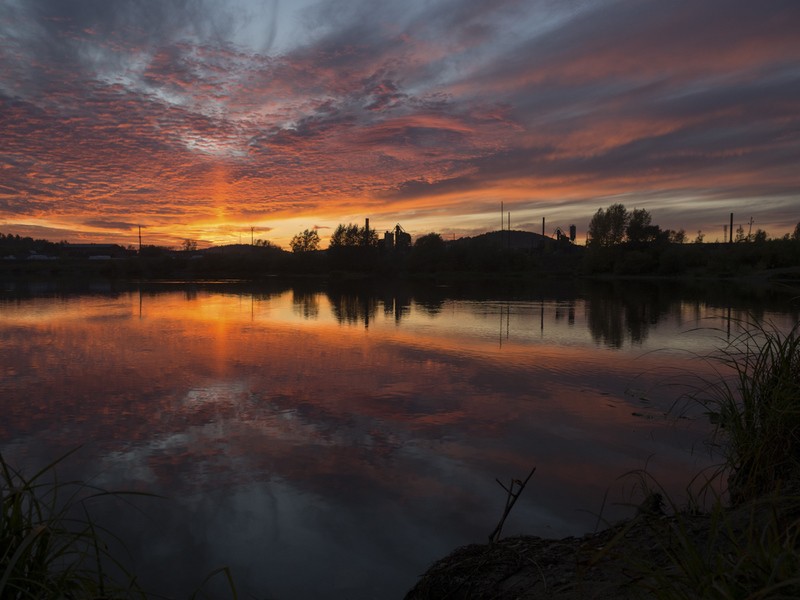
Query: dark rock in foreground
(632, 559)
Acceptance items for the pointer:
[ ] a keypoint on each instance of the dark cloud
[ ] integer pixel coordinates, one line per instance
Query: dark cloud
(111, 224)
(162, 110)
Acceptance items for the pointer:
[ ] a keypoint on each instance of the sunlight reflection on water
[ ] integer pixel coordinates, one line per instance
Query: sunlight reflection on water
(357, 434)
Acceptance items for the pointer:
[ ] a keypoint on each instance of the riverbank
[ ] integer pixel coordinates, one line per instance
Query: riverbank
(740, 543)
(631, 559)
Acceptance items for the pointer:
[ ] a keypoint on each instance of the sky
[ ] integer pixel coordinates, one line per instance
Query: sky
(228, 121)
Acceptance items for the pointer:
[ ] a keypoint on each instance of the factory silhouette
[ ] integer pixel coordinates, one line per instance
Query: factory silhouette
(626, 246)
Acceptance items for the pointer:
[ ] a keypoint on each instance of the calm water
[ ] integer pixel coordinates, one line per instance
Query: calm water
(334, 442)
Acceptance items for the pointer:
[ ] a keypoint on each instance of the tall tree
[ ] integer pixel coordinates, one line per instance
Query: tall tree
(350, 236)
(598, 229)
(608, 227)
(618, 218)
(640, 227)
(305, 241)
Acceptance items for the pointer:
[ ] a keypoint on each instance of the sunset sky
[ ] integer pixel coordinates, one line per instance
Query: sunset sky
(203, 119)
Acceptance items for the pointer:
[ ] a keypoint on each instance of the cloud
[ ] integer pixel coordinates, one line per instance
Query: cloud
(180, 112)
(111, 225)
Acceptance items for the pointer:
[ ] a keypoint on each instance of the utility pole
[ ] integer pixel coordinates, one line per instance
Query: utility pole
(140, 239)
(730, 231)
(252, 233)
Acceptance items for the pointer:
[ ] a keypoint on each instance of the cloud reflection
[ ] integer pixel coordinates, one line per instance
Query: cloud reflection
(271, 411)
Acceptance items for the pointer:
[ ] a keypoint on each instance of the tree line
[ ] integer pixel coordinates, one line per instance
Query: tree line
(629, 243)
(616, 225)
(619, 242)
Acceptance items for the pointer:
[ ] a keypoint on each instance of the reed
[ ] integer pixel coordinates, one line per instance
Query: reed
(748, 545)
(755, 408)
(49, 545)
(748, 551)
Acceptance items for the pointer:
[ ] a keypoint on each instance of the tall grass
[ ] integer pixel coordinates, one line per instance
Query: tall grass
(726, 553)
(49, 545)
(755, 407)
(748, 547)
(51, 548)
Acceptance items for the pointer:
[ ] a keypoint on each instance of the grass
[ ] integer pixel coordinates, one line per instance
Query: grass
(751, 550)
(748, 545)
(50, 547)
(755, 407)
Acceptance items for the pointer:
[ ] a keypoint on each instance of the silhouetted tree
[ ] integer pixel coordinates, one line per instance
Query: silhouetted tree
(429, 242)
(677, 237)
(638, 224)
(189, 245)
(700, 237)
(760, 236)
(796, 234)
(350, 236)
(640, 228)
(428, 253)
(608, 227)
(305, 241)
(598, 229)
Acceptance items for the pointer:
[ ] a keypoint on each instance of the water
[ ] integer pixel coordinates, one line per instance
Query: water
(334, 442)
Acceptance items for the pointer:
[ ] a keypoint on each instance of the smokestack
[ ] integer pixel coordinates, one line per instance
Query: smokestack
(502, 223)
(366, 232)
(542, 226)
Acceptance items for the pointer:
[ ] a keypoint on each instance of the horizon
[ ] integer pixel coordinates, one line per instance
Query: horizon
(210, 121)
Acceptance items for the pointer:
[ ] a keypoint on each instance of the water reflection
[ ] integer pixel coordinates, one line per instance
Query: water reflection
(620, 312)
(360, 304)
(625, 311)
(306, 303)
(356, 432)
(353, 307)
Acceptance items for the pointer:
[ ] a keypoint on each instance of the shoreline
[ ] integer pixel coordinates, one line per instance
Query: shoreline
(625, 561)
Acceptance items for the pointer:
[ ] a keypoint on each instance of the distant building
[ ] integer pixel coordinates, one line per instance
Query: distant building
(396, 239)
(402, 240)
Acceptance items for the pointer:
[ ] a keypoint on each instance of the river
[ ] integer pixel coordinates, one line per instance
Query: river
(332, 441)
